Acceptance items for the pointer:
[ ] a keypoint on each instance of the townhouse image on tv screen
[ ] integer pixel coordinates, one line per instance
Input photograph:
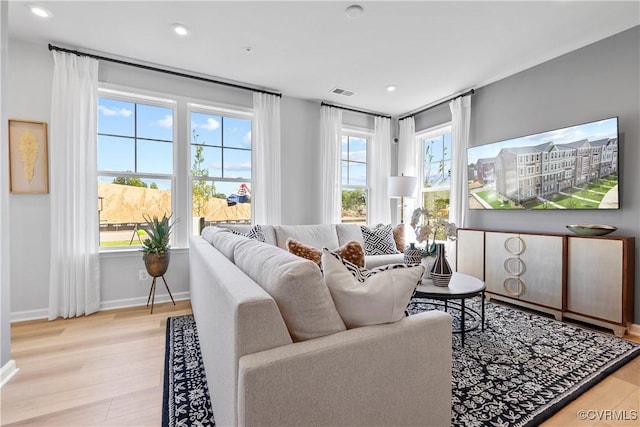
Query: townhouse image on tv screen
(575, 167)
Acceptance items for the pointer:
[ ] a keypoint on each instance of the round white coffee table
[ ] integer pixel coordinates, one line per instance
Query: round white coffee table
(460, 287)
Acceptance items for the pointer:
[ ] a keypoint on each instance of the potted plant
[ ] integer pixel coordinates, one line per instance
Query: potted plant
(156, 246)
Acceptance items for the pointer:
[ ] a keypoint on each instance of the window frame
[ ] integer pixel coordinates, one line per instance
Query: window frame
(141, 97)
(420, 137)
(224, 111)
(367, 135)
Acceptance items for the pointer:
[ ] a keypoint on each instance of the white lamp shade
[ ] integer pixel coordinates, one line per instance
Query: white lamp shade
(402, 186)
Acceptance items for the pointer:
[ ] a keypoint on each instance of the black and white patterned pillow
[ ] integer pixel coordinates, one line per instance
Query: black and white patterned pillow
(362, 274)
(255, 233)
(379, 240)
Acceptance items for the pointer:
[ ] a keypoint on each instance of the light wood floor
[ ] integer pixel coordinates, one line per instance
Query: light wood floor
(107, 370)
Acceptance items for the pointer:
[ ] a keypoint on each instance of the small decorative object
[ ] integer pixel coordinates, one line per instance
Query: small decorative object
(412, 255)
(426, 224)
(28, 163)
(156, 251)
(441, 270)
(427, 262)
(592, 229)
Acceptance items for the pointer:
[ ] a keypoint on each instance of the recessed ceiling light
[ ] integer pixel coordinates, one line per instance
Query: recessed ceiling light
(39, 11)
(354, 11)
(391, 88)
(247, 49)
(180, 29)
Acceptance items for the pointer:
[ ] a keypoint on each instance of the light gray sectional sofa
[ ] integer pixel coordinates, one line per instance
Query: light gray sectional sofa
(329, 236)
(276, 353)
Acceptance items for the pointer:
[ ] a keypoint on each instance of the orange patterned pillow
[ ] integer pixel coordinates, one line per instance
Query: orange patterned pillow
(351, 251)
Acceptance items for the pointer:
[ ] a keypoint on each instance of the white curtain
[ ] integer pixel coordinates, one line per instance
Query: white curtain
(74, 287)
(379, 161)
(267, 191)
(408, 160)
(460, 123)
(330, 142)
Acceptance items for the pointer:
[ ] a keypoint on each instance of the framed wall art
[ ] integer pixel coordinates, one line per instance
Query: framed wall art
(28, 159)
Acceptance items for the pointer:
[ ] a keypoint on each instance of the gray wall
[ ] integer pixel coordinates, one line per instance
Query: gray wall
(596, 82)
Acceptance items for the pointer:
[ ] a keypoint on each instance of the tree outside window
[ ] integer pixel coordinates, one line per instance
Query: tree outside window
(354, 179)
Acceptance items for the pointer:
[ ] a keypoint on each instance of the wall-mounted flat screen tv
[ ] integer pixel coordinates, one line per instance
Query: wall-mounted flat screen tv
(575, 167)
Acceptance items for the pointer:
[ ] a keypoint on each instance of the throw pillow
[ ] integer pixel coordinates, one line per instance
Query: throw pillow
(398, 236)
(254, 233)
(351, 251)
(369, 297)
(296, 285)
(379, 240)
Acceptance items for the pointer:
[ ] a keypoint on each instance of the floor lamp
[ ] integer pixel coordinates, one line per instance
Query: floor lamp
(402, 186)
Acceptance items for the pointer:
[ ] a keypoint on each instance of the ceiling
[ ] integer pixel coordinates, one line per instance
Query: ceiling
(430, 50)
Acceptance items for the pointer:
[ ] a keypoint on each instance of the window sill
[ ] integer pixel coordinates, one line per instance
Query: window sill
(128, 253)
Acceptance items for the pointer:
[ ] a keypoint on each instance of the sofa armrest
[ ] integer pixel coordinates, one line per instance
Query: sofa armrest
(386, 375)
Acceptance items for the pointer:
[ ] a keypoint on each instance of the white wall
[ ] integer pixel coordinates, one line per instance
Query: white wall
(594, 82)
(29, 76)
(30, 72)
(5, 290)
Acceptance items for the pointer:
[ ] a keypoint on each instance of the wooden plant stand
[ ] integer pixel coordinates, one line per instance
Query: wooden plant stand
(152, 292)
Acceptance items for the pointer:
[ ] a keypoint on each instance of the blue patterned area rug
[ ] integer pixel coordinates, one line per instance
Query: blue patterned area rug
(521, 370)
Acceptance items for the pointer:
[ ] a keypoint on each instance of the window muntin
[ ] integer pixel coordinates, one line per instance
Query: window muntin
(435, 170)
(436, 154)
(220, 162)
(135, 166)
(353, 162)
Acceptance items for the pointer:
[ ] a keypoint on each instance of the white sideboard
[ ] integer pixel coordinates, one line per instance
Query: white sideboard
(590, 279)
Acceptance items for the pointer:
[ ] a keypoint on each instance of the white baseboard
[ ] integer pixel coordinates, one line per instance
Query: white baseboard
(21, 316)
(634, 330)
(8, 371)
(135, 302)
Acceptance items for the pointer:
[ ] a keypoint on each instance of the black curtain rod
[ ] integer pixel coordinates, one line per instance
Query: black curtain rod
(324, 104)
(469, 92)
(160, 70)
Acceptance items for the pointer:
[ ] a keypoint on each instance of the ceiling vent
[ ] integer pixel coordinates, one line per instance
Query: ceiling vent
(343, 92)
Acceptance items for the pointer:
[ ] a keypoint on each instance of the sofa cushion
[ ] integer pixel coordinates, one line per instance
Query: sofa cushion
(267, 230)
(295, 284)
(223, 240)
(369, 297)
(348, 232)
(318, 235)
(379, 240)
(351, 251)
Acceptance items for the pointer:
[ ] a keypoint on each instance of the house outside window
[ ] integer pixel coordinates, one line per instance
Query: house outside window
(135, 165)
(220, 167)
(435, 170)
(354, 178)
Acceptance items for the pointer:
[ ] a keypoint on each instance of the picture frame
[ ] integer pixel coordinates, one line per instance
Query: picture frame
(28, 157)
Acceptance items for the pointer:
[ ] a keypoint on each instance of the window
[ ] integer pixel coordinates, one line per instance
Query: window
(135, 165)
(220, 167)
(435, 149)
(354, 178)
(147, 166)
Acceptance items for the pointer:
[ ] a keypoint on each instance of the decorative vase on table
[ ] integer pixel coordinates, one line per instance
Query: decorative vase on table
(427, 263)
(440, 270)
(412, 255)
